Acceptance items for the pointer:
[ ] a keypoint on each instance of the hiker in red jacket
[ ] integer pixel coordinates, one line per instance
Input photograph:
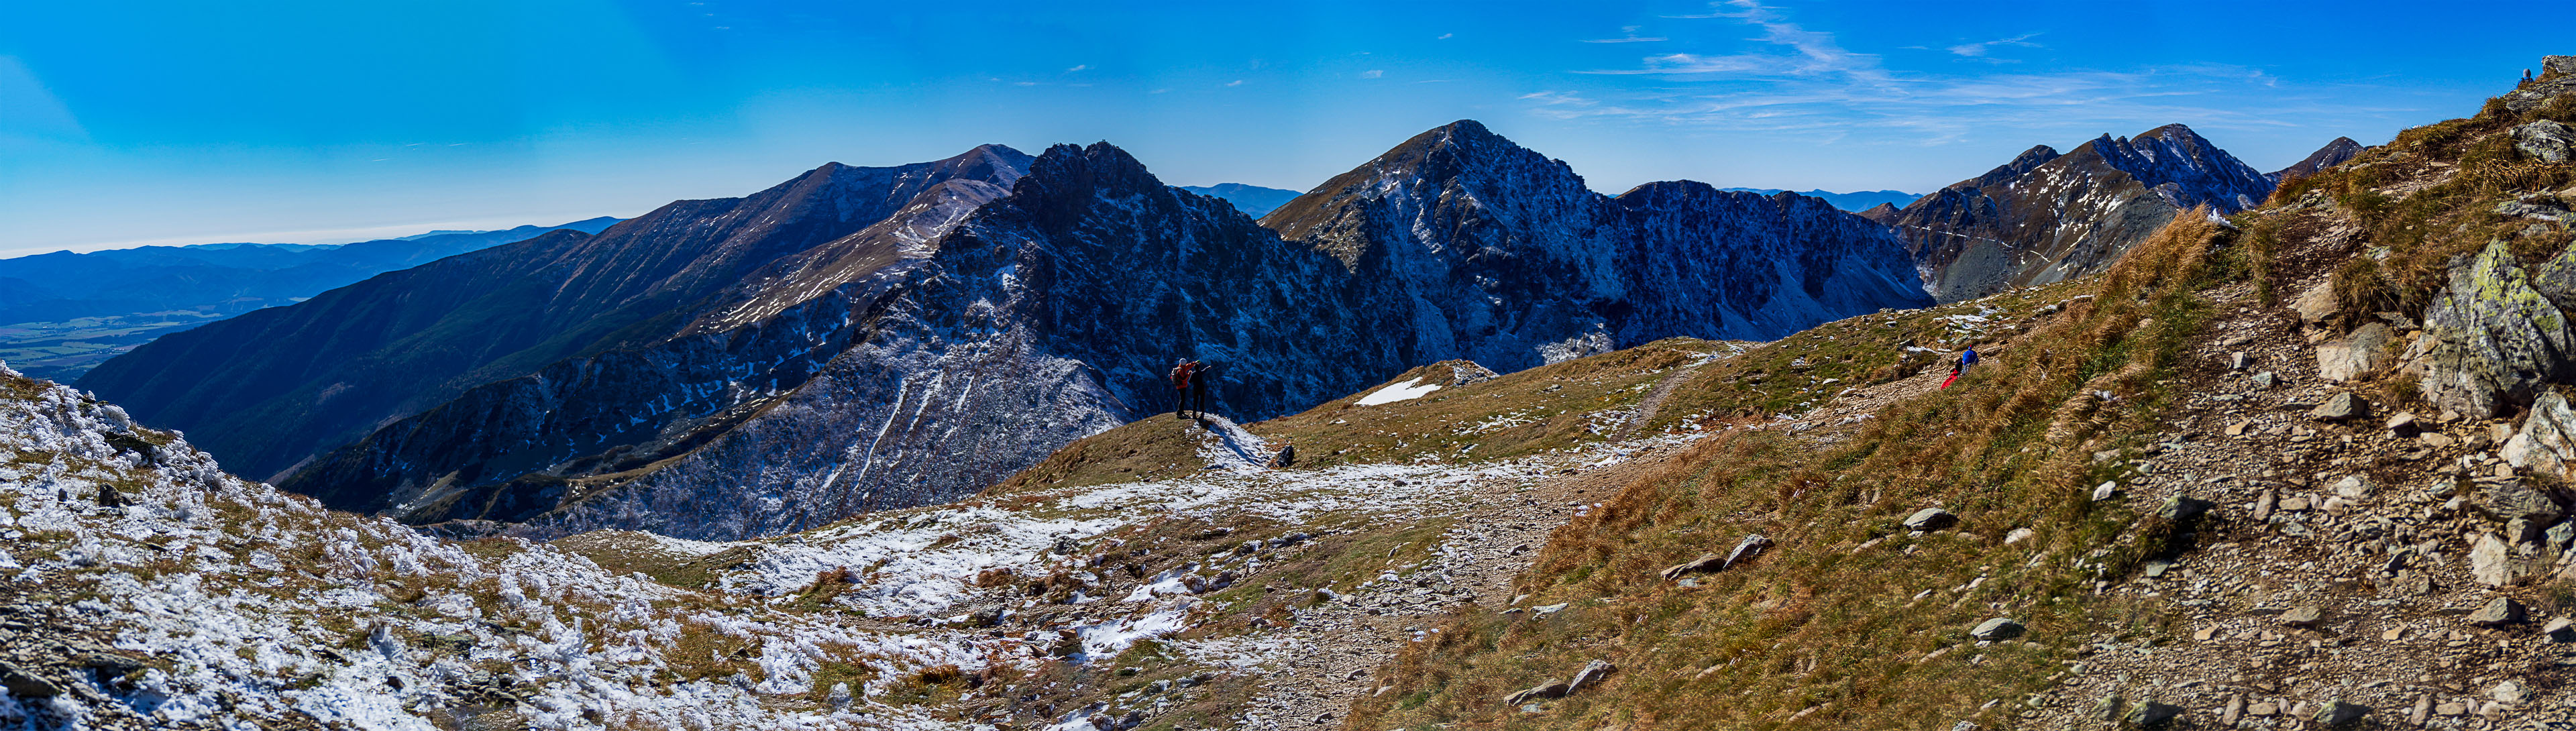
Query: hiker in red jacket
(1183, 372)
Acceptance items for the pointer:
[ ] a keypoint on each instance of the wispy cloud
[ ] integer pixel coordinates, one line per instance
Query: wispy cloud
(1236, 82)
(1980, 48)
(1372, 73)
(1628, 34)
(1791, 79)
(1077, 67)
(1444, 36)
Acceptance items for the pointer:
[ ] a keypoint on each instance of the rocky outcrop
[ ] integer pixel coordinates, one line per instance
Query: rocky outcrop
(2363, 351)
(2045, 217)
(2547, 441)
(2490, 338)
(2545, 140)
(2557, 78)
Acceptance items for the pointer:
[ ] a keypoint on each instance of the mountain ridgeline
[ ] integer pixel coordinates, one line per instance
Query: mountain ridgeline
(866, 338)
(2046, 217)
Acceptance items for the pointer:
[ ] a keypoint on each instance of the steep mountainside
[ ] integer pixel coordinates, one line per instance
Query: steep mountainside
(2045, 217)
(1252, 200)
(62, 313)
(991, 320)
(1501, 255)
(271, 388)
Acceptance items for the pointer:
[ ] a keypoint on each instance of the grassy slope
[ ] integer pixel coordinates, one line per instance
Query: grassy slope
(1834, 628)
(1854, 623)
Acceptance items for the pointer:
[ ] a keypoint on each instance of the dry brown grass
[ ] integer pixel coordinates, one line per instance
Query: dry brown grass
(1851, 623)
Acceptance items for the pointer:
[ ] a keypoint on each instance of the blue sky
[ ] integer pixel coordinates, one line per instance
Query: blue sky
(123, 123)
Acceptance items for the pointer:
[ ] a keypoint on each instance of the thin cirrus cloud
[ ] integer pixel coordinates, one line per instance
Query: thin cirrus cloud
(1372, 73)
(1981, 48)
(1628, 35)
(1801, 81)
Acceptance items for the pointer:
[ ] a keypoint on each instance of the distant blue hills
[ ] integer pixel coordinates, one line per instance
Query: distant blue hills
(62, 312)
(1854, 202)
(1252, 200)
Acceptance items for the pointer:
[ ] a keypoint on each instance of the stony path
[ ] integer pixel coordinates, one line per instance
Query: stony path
(1654, 402)
(1340, 645)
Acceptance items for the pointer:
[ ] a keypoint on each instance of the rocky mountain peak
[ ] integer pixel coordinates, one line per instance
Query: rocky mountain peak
(2334, 153)
(2021, 164)
(2185, 168)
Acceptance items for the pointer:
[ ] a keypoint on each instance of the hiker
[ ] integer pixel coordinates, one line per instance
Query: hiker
(1966, 358)
(1182, 374)
(1200, 374)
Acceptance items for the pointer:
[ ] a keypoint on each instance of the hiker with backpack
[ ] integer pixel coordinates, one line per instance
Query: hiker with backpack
(1184, 371)
(1966, 358)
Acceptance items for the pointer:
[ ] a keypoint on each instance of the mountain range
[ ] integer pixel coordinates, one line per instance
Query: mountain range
(2045, 216)
(1252, 200)
(63, 312)
(864, 338)
(1854, 201)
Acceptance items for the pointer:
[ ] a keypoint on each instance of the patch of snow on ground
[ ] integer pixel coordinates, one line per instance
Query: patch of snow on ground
(1411, 388)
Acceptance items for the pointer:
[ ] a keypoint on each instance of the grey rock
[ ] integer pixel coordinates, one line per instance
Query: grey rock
(1999, 628)
(2304, 616)
(2560, 536)
(1931, 519)
(2555, 279)
(2365, 350)
(1591, 673)
(2560, 630)
(2150, 714)
(2510, 692)
(1705, 562)
(2509, 499)
(2404, 424)
(2339, 713)
(1066, 545)
(2183, 508)
(2491, 561)
(2343, 405)
(2352, 486)
(2490, 338)
(2238, 361)
(2545, 140)
(2105, 491)
(1745, 550)
(2547, 442)
(2532, 209)
(1550, 609)
(2501, 611)
(1556, 689)
(25, 684)
(2263, 380)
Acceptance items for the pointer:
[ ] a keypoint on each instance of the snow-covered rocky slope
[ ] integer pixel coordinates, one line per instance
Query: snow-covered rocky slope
(149, 589)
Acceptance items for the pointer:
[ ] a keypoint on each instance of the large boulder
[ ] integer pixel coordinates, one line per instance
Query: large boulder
(2556, 279)
(2490, 339)
(2545, 140)
(2363, 351)
(2547, 442)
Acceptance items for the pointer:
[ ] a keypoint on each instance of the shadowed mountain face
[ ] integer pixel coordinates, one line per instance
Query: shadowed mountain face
(1500, 255)
(270, 389)
(860, 339)
(2334, 153)
(2045, 217)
